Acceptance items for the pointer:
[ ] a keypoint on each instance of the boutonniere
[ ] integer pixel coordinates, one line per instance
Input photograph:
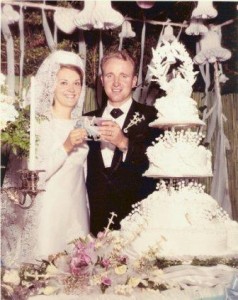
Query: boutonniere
(137, 118)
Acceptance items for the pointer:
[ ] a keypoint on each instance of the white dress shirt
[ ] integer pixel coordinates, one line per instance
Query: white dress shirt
(107, 148)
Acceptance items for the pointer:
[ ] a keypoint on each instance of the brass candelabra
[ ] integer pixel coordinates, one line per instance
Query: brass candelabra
(25, 194)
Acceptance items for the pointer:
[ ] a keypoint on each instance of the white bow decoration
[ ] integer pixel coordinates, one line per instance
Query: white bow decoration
(105, 17)
(64, 19)
(126, 30)
(211, 49)
(196, 27)
(168, 34)
(83, 19)
(204, 10)
(98, 15)
(9, 15)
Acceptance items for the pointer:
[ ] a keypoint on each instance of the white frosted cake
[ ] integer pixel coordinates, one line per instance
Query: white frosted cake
(177, 108)
(179, 154)
(180, 221)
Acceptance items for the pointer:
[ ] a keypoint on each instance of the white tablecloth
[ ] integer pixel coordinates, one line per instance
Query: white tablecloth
(172, 294)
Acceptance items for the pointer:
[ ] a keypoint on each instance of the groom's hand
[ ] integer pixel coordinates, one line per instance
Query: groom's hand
(111, 132)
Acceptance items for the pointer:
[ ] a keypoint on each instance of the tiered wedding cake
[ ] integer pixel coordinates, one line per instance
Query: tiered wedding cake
(179, 217)
(179, 154)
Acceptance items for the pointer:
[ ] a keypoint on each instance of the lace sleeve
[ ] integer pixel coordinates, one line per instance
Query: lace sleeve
(51, 154)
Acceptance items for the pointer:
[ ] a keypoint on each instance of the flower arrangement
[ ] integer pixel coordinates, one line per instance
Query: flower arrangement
(95, 264)
(15, 122)
(98, 265)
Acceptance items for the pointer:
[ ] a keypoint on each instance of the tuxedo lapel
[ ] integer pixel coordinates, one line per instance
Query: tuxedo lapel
(99, 112)
(129, 115)
(118, 155)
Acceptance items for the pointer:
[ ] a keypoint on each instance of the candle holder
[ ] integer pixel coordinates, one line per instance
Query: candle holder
(25, 195)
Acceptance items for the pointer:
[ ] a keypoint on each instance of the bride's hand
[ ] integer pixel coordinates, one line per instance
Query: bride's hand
(74, 139)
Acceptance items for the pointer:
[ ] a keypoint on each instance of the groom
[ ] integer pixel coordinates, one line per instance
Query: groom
(116, 164)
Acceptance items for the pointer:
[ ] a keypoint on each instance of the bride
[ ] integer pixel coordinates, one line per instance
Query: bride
(60, 213)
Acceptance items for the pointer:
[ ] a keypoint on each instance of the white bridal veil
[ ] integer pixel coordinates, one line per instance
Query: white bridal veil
(45, 81)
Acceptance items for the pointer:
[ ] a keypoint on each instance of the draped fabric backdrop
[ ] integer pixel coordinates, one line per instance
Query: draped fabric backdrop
(230, 110)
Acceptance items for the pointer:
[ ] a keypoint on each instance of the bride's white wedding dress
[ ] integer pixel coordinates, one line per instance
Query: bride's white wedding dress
(60, 213)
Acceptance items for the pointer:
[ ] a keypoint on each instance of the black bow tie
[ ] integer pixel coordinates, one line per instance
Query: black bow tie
(116, 112)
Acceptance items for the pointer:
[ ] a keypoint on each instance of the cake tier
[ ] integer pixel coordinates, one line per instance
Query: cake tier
(232, 237)
(172, 242)
(178, 154)
(180, 221)
(177, 107)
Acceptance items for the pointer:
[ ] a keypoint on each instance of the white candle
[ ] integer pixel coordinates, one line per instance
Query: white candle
(32, 154)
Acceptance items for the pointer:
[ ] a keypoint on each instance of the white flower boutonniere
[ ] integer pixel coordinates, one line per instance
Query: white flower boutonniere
(137, 118)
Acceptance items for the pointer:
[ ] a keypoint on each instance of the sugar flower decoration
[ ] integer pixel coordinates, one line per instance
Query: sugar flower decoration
(204, 10)
(64, 19)
(126, 30)
(196, 27)
(211, 49)
(98, 15)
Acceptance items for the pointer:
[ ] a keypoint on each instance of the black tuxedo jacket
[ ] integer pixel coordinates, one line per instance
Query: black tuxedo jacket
(115, 189)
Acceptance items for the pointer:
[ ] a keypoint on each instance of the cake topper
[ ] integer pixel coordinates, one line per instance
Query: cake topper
(161, 64)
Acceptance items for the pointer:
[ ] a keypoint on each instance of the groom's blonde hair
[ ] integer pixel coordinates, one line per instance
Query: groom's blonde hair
(123, 55)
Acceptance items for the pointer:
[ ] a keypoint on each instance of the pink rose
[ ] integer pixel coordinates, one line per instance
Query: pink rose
(105, 263)
(106, 281)
(123, 259)
(79, 264)
(100, 235)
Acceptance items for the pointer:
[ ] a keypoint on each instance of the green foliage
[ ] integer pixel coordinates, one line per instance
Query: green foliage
(205, 262)
(213, 261)
(162, 263)
(35, 52)
(17, 134)
(33, 17)
(153, 285)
